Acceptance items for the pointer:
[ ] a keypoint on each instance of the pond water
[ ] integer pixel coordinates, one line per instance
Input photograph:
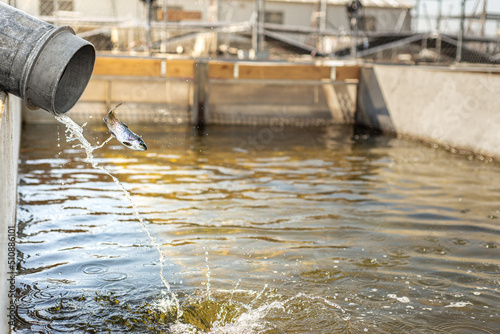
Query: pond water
(263, 229)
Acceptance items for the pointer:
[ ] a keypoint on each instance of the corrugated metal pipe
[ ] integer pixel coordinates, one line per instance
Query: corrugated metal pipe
(47, 66)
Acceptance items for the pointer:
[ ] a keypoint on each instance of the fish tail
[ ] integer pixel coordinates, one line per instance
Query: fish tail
(119, 104)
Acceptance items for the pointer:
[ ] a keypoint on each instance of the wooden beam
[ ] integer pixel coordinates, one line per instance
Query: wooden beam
(180, 68)
(175, 15)
(220, 70)
(347, 72)
(146, 67)
(184, 68)
(269, 71)
(284, 72)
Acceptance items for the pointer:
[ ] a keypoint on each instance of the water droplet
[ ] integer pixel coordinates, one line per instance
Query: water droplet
(94, 268)
(114, 276)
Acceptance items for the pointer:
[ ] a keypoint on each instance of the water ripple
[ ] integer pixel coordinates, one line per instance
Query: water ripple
(322, 230)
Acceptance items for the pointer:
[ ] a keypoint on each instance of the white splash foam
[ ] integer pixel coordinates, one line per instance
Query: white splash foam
(459, 304)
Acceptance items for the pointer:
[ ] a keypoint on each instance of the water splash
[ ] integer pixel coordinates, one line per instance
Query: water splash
(74, 132)
(345, 316)
(221, 315)
(208, 274)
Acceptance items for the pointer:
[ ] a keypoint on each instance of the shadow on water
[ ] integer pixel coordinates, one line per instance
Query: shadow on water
(264, 230)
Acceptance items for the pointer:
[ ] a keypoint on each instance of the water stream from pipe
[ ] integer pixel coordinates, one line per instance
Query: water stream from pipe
(75, 132)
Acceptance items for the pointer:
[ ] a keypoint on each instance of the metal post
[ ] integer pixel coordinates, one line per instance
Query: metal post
(483, 17)
(56, 12)
(148, 26)
(261, 17)
(255, 29)
(258, 27)
(417, 15)
(439, 15)
(213, 16)
(461, 34)
(164, 33)
(201, 94)
(322, 25)
(356, 31)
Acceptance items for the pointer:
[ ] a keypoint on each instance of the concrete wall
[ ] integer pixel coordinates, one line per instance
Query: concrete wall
(10, 131)
(298, 103)
(455, 107)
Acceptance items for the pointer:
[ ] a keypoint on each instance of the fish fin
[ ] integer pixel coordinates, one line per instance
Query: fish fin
(126, 143)
(112, 133)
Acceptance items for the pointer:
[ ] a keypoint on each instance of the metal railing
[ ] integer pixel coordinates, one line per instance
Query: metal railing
(401, 31)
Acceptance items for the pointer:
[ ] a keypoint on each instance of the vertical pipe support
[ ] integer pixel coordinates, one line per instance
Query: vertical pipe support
(460, 40)
(148, 25)
(258, 27)
(262, 16)
(439, 15)
(322, 25)
(417, 15)
(200, 114)
(356, 32)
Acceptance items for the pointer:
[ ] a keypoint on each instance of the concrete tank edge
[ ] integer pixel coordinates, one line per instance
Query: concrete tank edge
(10, 137)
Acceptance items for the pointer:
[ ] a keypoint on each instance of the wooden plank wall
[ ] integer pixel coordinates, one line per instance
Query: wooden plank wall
(144, 67)
(184, 68)
(272, 71)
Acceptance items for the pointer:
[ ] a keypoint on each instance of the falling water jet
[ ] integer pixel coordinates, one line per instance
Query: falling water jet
(75, 132)
(208, 275)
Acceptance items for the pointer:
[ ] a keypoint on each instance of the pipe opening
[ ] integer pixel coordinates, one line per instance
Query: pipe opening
(74, 79)
(47, 66)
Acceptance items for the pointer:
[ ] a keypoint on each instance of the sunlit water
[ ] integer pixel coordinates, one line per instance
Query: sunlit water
(264, 230)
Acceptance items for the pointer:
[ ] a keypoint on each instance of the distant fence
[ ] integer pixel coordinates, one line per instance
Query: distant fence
(399, 31)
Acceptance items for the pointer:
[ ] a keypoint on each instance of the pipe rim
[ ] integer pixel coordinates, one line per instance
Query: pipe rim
(58, 71)
(68, 90)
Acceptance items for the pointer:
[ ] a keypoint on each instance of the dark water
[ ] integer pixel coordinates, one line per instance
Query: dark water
(264, 230)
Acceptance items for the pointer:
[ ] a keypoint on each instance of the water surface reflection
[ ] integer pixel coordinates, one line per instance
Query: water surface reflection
(265, 230)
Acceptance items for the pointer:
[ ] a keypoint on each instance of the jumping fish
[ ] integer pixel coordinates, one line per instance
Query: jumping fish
(122, 133)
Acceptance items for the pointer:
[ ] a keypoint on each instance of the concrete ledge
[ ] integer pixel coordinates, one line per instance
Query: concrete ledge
(10, 136)
(450, 107)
